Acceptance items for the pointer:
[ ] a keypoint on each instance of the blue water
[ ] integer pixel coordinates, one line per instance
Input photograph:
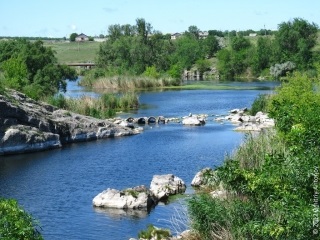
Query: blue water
(57, 187)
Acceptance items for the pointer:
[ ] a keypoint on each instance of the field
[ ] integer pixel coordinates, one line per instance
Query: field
(74, 52)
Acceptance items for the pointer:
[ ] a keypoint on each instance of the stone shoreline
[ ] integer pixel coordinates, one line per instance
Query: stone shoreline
(30, 126)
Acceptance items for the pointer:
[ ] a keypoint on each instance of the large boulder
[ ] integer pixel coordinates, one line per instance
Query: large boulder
(193, 121)
(131, 198)
(203, 176)
(163, 186)
(20, 139)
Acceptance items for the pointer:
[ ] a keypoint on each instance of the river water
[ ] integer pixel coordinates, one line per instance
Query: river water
(57, 186)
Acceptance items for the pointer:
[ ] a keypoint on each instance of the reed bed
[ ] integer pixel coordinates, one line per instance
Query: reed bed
(103, 107)
(128, 83)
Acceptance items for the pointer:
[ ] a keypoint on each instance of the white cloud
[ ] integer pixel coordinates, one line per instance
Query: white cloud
(73, 27)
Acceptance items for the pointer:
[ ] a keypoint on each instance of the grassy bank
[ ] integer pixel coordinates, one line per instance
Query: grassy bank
(71, 52)
(272, 178)
(103, 107)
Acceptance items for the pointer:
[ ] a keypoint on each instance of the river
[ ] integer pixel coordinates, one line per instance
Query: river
(57, 186)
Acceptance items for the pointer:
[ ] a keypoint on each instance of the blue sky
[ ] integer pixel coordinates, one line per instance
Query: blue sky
(60, 18)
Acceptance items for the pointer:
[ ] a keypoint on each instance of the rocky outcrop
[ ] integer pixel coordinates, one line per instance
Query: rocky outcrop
(140, 197)
(131, 198)
(163, 186)
(27, 126)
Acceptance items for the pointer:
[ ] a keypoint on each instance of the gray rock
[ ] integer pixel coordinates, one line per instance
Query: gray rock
(131, 198)
(192, 121)
(201, 177)
(163, 186)
(27, 125)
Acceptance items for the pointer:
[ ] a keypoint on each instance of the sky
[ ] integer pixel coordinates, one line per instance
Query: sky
(60, 18)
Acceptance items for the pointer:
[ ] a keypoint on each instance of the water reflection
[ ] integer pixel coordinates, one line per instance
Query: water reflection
(118, 214)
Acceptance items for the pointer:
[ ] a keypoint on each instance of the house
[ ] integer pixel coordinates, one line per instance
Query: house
(203, 35)
(252, 35)
(175, 36)
(82, 38)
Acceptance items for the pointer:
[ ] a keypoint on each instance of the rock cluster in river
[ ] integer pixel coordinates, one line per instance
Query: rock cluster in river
(247, 122)
(27, 125)
(161, 187)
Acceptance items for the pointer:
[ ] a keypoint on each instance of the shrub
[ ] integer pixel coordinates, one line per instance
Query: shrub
(154, 233)
(259, 104)
(15, 223)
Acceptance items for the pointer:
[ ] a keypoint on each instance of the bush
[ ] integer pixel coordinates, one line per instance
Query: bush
(15, 223)
(259, 104)
(154, 233)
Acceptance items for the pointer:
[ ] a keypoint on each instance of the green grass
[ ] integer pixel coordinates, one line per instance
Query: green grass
(73, 52)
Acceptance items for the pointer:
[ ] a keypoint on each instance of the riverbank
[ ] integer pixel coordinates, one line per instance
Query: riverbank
(29, 126)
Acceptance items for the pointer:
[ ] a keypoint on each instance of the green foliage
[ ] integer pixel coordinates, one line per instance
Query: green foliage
(32, 68)
(151, 72)
(103, 107)
(15, 73)
(187, 51)
(73, 37)
(15, 223)
(175, 71)
(294, 41)
(270, 178)
(58, 100)
(154, 233)
(233, 62)
(259, 104)
(203, 65)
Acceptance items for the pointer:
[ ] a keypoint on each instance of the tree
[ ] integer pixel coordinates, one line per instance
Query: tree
(31, 67)
(143, 29)
(211, 46)
(15, 223)
(294, 41)
(187, 51)
(262, 55)
(114, 32)
(193, 31)
(73, 37)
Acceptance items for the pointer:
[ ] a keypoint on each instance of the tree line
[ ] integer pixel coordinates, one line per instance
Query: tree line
(132, 49)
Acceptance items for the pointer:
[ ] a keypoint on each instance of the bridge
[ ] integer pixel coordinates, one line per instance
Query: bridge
(83, 65)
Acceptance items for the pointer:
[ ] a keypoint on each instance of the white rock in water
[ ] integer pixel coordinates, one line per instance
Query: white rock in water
(162, 186)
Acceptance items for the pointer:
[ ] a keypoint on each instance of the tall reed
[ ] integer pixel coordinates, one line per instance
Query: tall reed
(252, 152)
(126, 83)
(103, 107)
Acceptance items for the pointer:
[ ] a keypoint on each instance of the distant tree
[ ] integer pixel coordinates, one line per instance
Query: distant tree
(203, 65)
(143, 29)
(193, 31)
(73, 37)
(216, 33)
(262, 56)
(239, 43)
(128, 30)
(211, 45)
(294, 41)
(114, 32)
(187, 51)
(30, 66)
